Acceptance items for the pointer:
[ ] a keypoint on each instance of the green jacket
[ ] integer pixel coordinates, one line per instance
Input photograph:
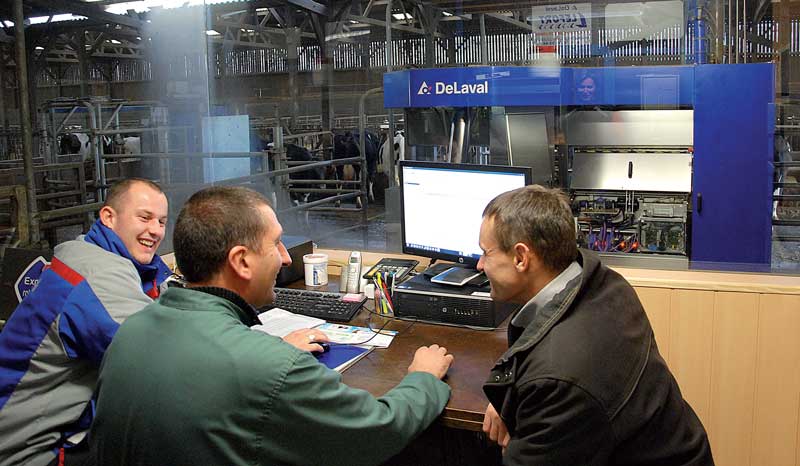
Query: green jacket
(186, 382)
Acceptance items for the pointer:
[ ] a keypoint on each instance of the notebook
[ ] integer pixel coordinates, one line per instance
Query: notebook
(340, 357)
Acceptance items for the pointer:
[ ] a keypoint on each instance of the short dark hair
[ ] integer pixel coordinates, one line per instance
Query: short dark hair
(539, 217)
(213, 221)
(116, 192)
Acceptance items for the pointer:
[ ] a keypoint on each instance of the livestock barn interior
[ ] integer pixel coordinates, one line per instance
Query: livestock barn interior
(673, 126)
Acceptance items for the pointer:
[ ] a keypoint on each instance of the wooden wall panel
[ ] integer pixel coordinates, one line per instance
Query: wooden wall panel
(690, 347)
(777, 382)
(656, 304)
(733, 361)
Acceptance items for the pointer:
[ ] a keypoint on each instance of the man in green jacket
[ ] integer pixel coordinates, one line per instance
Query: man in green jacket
(186, 382)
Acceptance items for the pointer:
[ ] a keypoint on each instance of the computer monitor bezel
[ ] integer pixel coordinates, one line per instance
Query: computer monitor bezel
(466, 260)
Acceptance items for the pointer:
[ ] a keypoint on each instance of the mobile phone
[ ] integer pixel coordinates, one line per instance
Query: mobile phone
(456, 276)
(354, 272)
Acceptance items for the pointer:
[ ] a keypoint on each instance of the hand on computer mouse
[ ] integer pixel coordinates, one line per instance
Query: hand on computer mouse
(307, 339)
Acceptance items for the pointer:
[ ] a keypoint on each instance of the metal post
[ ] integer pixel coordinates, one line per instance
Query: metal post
(100, 178)
(4, 137)
(54, 135)
(279, 162)
(730, 31)
(389, 63)
(736, 26)
(83, 65)
(484, 52)
(25, 117)
(5, 127)
(292, 42)
(744, 30)
(362, 130)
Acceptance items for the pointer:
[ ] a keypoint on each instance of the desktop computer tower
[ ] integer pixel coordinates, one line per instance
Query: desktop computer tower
(467, 306)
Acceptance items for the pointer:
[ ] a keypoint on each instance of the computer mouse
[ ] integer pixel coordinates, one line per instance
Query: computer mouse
(325, 346)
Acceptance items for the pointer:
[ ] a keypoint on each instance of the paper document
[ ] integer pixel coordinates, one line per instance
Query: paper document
(351, 335)
(281, 323)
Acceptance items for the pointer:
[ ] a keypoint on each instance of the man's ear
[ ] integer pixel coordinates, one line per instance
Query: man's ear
(239, 262)
(108, 216)
(522, 257)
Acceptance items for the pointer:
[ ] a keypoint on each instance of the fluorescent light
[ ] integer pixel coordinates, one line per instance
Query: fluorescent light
(56, 18)
(212, 32)
(39, 48)
(402, 16)
(447, 13)
(343, 35)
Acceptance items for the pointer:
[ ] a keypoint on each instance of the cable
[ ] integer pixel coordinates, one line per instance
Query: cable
(377, 332)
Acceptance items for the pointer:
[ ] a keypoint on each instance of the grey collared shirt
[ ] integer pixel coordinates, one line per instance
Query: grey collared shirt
(546, 294)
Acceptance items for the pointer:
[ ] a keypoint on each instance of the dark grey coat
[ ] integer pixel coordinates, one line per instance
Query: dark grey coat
(584, 383)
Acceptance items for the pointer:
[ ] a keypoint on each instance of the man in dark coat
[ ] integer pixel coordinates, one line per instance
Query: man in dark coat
(582, 382)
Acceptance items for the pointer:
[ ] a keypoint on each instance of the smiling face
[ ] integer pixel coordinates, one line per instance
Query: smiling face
(268, 261)
(139, 218)
(508, 284)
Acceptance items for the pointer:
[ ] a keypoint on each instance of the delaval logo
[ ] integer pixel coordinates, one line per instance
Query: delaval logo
(440, 88)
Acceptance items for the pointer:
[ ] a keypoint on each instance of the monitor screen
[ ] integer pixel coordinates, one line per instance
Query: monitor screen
(442, 203)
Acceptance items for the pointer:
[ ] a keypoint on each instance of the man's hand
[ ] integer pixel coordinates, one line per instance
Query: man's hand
(431, 359)
(305, 339)
(495, 428)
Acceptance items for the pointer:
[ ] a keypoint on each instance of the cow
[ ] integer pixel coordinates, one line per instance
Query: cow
(295, 153)
(79, 143)
(75, 143)
(399, 153)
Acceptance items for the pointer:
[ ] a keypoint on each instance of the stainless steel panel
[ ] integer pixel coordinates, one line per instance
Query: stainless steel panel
(648, 128)
(632, 172)
(528, 145)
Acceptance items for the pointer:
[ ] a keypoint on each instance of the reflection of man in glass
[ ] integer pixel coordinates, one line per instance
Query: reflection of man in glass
(586, 88)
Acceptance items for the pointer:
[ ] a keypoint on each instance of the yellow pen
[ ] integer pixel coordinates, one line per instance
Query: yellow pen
(379, 294)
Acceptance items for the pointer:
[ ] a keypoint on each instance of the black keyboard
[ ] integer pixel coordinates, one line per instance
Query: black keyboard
(322, 304)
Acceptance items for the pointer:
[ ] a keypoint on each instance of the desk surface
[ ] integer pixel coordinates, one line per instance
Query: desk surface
(475, 352)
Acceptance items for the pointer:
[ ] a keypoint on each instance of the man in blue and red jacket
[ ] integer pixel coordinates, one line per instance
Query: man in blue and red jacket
(51, 347)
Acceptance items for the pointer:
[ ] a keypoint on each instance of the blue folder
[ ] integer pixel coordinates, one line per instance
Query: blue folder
(340, 357)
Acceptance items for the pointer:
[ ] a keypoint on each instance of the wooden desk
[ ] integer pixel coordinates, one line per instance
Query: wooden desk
(475, 352)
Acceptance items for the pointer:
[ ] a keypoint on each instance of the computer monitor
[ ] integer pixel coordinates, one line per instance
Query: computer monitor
(441, 206)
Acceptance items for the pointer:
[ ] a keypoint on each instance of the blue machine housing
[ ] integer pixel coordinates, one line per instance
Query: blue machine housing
(734, 121)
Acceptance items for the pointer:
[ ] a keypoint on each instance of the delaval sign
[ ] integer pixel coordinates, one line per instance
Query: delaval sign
(513, 86)
(468, 87)
(454, 88)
